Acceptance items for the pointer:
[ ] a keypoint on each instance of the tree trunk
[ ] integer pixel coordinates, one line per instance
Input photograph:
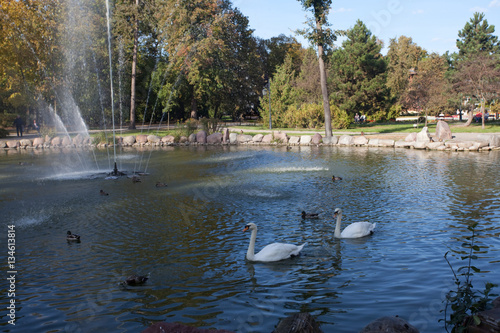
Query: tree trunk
(324, 90)
(469, 117)
(134, 65)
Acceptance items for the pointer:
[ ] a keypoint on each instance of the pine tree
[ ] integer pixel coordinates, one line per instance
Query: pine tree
(358, 73)
(477, 36)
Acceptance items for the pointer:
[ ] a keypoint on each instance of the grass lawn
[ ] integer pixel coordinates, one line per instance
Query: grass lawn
(382, 128)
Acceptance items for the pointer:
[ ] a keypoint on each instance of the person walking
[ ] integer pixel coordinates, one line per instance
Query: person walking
(19, 125)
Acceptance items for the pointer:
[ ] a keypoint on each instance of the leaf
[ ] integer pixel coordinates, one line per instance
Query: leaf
(477, 321)
(475, 269)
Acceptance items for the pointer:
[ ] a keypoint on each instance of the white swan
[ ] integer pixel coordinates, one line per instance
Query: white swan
(271, 252)
(353, 230)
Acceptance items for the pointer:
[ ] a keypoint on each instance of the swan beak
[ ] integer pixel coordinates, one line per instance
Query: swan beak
(246, 228)
(335, 214)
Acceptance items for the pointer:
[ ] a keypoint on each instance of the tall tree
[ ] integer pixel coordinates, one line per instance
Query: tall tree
(211, 45)
(479, 78)
(477, 36)
(321, 36)
(358, 73)
(427, 90)
(278, 48)
(403, 56)
(30, 54)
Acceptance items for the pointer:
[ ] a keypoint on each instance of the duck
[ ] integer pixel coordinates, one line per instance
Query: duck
(135, 280)
(309, 215)
(271, 252)
(336, 178)
(136, 179)
(160, 184)
(353, 230)
(72, 237)
(101, 192)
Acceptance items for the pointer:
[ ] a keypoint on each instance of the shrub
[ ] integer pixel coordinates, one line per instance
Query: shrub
(465, 302)
(341, 118)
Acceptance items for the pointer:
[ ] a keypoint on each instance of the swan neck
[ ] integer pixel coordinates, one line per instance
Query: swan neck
(251, 246)
(337, 225)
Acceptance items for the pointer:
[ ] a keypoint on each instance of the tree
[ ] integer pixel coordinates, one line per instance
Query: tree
(477, 36)
(479, 77)
(403, 55)
(358, 73)
(30, 55)
(278, 48)
(306, 82)
(427, 89)
(211, 45)
(321, 36)
(283, 95)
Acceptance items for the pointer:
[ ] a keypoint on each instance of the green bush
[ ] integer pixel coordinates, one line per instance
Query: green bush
(340, 118)
(307, 116)
(189, 127)
(465, 302)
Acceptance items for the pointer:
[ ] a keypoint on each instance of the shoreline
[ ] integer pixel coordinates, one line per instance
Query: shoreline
(422, 140)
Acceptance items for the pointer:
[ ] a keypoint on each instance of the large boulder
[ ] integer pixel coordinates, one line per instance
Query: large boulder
(168, 139)
(154, 139)
(3, 144)
(389, 325)
(346, 140)
(412, 137)
(214, 138)
(386, 143)
(443, 131)
(492, 139)
(233, 138)
(25, 143)
(201, 137)
(183, 139)
(38, 142)
(12, 143)
(56, 141)
(316, 139)
(129, 140)
(78, 139)
(280, 137)
(192, 138)
(330, 140)
(294, 140)
(66, 141)
(258, 138)
(268, 138)
(141, 139)
(244, 138)
(423, 135)
(305, 140)
(360, 140)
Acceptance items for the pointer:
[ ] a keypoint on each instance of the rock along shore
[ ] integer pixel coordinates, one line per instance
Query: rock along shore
(441, 141)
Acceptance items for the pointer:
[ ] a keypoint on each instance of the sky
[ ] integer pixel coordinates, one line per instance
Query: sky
(432, 24)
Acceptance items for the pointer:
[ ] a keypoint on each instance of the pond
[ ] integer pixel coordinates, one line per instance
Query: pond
(188, 236)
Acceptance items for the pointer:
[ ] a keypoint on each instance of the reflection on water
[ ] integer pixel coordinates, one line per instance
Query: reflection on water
(189, 237)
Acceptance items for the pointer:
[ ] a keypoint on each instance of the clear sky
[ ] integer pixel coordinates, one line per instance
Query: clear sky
(432, 24)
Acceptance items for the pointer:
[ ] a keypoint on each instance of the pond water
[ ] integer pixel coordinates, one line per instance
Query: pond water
(189, 237)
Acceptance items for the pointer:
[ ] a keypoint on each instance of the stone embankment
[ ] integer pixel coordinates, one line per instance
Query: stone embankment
(442, 140)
